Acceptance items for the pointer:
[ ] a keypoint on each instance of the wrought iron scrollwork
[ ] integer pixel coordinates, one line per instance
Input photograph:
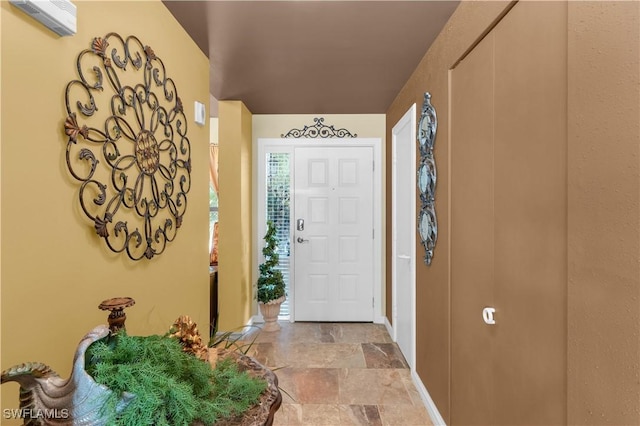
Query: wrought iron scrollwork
(128, 145)
(427, 221)
(319, 130)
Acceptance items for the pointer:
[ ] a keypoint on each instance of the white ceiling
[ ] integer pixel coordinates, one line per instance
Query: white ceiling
(312, 57)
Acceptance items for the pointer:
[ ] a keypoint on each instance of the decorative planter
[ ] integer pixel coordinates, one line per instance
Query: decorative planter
(47, 399)
(264, 410)
(270, 312)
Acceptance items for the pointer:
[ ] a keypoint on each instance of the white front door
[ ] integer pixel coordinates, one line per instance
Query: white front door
(333, 234)
(404, 232)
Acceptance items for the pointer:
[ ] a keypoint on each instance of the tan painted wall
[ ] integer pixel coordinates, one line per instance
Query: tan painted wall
(235, 282)
(603, 288)
(55, 270)
(604, 213)
(275, 125)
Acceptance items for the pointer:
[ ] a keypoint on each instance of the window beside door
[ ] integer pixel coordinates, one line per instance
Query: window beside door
(278, 196)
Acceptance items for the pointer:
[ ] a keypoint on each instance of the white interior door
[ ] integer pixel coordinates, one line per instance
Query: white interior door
(404, 233)
(333, 233)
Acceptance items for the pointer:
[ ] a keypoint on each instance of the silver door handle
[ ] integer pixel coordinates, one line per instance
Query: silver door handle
(404, 257)
(487, 315)
(301, 240)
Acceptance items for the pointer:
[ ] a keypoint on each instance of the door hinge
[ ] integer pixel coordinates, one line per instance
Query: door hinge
(373, 302)
(373, 234)
(374, 166)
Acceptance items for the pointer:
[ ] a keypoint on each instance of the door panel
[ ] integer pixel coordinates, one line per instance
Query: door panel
(530, 213)
(509, 227)
(472, 238)
(334, 252)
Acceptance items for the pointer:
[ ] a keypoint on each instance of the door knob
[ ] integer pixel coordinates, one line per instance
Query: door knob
(487, 315)
(301, 240)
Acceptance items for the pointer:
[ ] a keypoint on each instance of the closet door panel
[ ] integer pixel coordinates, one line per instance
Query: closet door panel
(472, 237)
(530, 214)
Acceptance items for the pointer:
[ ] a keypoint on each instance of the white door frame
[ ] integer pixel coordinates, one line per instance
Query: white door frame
(266, 145)
(408, 119)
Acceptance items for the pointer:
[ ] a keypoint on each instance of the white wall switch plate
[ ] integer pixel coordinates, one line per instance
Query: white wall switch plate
(200, 113)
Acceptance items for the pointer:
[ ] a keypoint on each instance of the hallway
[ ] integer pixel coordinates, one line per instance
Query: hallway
(340, 374)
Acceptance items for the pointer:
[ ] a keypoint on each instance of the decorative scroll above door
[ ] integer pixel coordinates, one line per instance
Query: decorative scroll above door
(318, 130)
(128, 145)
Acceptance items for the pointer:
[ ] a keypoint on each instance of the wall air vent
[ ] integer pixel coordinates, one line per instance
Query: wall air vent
(57, 15)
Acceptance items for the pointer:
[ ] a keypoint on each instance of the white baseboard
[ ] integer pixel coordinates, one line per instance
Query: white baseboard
(436, 417)
(248, 327)
(387, 324)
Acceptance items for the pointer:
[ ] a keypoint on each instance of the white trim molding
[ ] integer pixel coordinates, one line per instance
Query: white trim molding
(434, 414)
(388, 326)
(407, 120)
(248, 328)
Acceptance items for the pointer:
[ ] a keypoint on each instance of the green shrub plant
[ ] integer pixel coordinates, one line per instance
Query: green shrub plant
(170, 387)
(271, 282)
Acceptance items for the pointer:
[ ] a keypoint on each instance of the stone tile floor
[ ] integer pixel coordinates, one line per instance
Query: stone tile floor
(334, 374)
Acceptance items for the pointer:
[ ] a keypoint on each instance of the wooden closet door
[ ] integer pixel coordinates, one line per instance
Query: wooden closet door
(508, 222)
(472, 235)
(530, 144)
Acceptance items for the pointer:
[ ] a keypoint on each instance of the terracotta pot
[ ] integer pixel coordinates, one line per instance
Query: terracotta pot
(270, 312)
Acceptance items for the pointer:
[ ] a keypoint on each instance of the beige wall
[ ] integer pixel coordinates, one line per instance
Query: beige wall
(603, 200)
(603, 283)
(55, 270)
(235, 283)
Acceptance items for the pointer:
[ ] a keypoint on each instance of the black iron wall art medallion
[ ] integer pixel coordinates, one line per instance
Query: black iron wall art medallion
(128, 145)
(427, 222)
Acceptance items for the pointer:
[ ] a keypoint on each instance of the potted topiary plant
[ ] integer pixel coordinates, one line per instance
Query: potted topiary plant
(270, 286)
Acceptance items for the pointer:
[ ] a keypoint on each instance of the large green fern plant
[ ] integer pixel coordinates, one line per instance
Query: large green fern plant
(270, 284)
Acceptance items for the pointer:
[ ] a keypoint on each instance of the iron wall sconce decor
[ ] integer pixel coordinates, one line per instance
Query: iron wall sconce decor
(426, 179)
(128, 145)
